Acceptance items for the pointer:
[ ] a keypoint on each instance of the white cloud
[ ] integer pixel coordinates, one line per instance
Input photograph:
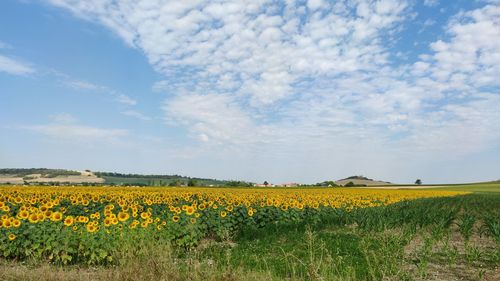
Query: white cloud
(160, 86)
(315, 79)
(15, 67)
(248, 40)
(77, 132)
(136, 114)
(431, 3)
(212, 117)
(121, 98)
(82, 85)
(63, 118)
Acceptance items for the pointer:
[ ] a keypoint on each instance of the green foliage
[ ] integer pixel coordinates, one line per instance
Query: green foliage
(50, 173)
(327, 183)
(465, 224)
(157, 180)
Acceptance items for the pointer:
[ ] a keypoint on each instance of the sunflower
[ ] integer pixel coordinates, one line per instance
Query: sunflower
(91, 228)
(175, 218)
(16, 223)
(223, 214)
(33, 218)
(7, 223)
(23, 214)
(250, 212)
(56, 216)
(12, 237)
(123, 216)
(68, 221)
(190, 210)
(107, 222)
(47, 214)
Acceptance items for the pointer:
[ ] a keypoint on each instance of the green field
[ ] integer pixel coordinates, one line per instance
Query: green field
(450, 238)
(477, 188)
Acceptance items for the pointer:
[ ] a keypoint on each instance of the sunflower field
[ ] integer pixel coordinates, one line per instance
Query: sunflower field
(86, 224)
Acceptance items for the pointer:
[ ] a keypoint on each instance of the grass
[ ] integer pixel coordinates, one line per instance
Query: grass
(477, 188)
(454, 238)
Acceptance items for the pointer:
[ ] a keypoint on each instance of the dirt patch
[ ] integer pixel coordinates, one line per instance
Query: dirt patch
(450, 258)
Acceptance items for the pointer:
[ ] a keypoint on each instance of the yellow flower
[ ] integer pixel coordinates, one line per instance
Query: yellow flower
(33, 218)
(123, 216)
(91, 227)
(7, 223)
(107, 222)
(23, 214)
(56, 216)
(12, 237)
(68, 221)
(189, 210)
(223, 214)
(175, 218)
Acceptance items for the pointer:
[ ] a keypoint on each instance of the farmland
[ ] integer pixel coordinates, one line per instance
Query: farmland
(111, 233)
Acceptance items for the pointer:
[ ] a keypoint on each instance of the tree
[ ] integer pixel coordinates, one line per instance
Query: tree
(418, 181)
(191, 182)
(266, 183)
(349, 184)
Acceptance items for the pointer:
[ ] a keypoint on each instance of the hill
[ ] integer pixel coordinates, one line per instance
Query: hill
(47, 176)
(61, 176)
(361, 181)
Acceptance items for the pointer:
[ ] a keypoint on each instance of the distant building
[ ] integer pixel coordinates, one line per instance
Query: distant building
(264, 185)
(288, 184)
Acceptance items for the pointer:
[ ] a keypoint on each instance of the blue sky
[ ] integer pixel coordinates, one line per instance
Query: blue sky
(282, 91)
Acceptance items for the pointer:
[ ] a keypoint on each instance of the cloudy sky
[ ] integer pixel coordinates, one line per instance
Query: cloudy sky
(253, 90)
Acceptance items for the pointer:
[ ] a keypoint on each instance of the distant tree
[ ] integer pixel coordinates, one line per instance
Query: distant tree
(349, 184)
(327, 183)
(191, 182)
(418, 181)
(266, 183)
(238, 184)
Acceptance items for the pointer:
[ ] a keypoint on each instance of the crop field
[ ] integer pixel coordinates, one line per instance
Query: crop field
(112, 233)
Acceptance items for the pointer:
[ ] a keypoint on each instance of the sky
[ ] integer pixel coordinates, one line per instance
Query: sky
(283, 91)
